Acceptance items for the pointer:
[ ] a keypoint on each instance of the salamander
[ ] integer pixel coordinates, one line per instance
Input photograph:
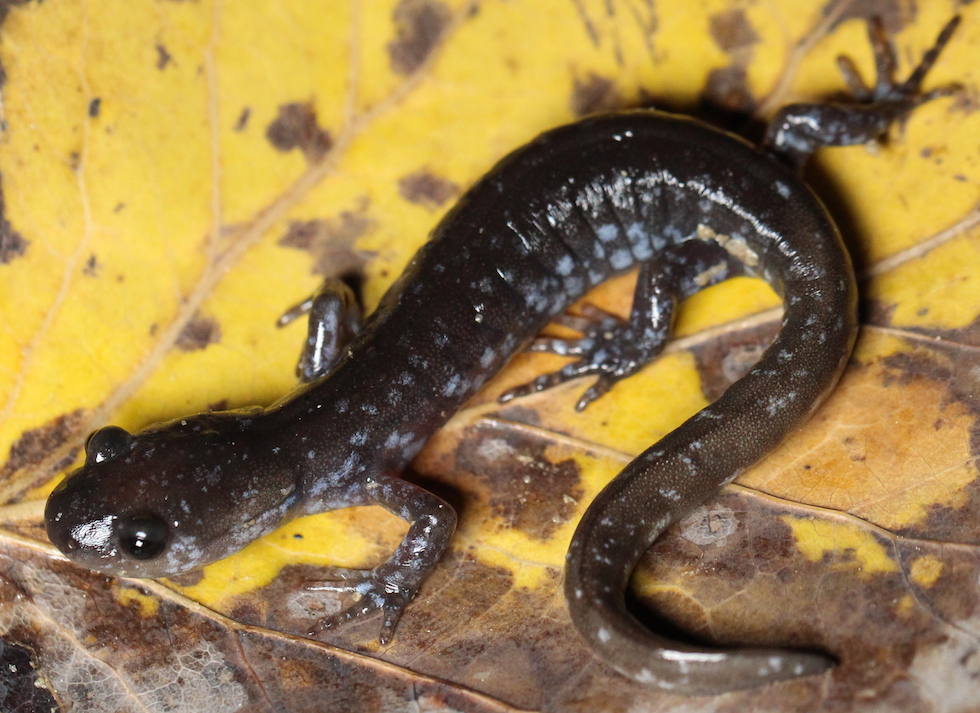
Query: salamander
(689, 204)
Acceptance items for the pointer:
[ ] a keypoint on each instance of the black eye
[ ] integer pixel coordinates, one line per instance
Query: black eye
(142, 537)
(107, 443)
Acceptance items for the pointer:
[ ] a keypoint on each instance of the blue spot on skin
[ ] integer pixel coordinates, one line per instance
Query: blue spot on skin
(488, 356)
(642, 251)
(565, 266)
(575, 285)
(608, 232)
(621, 259)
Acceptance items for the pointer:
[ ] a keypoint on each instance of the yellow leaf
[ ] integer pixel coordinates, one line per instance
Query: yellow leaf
(176, 175)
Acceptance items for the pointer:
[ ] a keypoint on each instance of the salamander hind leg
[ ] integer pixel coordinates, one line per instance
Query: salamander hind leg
(609, 346)
(614, 348)
(797, 130)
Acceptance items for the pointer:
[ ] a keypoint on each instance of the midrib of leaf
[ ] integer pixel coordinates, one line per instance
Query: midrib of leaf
(780, 90)
(923, 247)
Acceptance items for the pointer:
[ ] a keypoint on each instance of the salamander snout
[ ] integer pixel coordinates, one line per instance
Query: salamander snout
(92, 535)
(173, 497)
(102, 518)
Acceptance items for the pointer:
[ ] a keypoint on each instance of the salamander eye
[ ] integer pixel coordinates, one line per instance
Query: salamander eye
(143, 537)
(107, 443)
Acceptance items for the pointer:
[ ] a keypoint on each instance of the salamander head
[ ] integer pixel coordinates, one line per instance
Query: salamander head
(169, 499)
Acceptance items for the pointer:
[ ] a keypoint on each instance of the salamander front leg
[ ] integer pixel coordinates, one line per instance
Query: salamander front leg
(335, 319)
(797, 130)
(389, 587)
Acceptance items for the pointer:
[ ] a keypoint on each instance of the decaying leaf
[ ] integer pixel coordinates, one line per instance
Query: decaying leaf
(176, 175)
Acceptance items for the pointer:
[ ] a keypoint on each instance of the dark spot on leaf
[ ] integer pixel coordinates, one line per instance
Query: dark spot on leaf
(965, 102)
(727, 89)
(330, 241)
(904, 367)
(21, 691)
(163, 57)
(520, 414)
(877, 313)
(723, 361)
(895, 15)
(426, 189)
(296, 127)
(5, 7)
(199, 333)
(12, 244)
(243, 119)
(953, 367)
(221, 405)
(245, 611)
(592, 94)
(964, 660)
(94, 106)
(92, 267)
(419, 25)
(526, 489)
(731, 30)
(35, 445)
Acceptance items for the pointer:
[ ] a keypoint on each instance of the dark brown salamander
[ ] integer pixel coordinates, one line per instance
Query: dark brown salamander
(689, 204)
